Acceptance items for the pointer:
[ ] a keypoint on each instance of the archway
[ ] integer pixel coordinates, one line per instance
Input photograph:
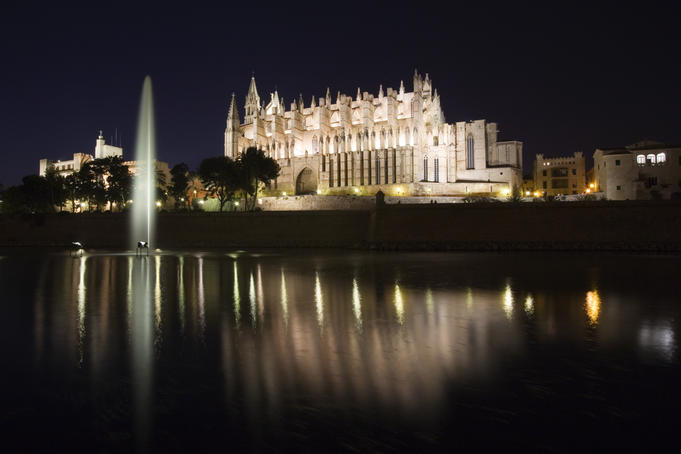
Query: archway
(306, 182)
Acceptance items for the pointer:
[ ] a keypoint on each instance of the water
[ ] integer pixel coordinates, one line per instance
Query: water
(339, 351)
(144, 192)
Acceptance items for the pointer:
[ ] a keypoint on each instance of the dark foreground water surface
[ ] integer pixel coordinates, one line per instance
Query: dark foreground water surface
(329, 351)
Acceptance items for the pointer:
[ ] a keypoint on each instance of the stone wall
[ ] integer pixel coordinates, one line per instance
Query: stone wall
(640, 226)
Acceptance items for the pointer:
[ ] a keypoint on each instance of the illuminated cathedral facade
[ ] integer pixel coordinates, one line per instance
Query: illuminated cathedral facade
(396, 141)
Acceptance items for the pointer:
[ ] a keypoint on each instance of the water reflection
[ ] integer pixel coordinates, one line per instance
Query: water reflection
(319, 301)
(399, 304)
(508, 301)
(356, 304)
(236, 296)
(400, 338)
(81, 306)
(593, 306)
(284, 297)
(529, 305)
(142, 341)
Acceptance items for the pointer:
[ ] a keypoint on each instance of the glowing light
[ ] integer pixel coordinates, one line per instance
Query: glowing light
(591, 185)
(588, 190)
(83, 204)
(201, 202)
(429, 301)
(529, 304)
(236, 203)
(355, 189)
(593, 306)
(399, 304)
(527, 192)
(283, 193)
(259, 201)
(536, 193)
(319, 191)
(158, 203)
(507, 191)
(181, 199)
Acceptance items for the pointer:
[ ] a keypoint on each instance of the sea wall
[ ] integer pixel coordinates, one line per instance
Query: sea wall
(640, 226)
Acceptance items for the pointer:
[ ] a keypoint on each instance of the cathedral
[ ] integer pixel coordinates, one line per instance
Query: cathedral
(396, 141)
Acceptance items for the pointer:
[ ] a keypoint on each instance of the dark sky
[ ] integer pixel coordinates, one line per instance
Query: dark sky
(559, 78)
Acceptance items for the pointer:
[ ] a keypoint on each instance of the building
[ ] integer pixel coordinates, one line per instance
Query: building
(560, 176)
(644, 170)
(396, 141)
(102, 150)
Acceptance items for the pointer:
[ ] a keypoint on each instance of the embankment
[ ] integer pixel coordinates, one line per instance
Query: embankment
(633, 226)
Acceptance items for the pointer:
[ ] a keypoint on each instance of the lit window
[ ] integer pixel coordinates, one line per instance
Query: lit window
(661, 157)
(641, 159)
(650, 159)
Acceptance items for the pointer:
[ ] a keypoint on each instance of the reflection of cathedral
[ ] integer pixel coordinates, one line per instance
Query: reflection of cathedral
(397, 141)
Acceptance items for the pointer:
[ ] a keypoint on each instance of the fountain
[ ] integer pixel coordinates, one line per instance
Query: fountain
(143, 210)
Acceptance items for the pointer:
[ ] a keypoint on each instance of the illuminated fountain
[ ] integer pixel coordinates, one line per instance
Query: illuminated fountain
(143, 209)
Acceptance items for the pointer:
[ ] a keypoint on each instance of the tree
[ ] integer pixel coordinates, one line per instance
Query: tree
(74, 189)
(179, 183)
(255, 168)
(56, 186)
(37, 194)
(118, 181)
(220, 177)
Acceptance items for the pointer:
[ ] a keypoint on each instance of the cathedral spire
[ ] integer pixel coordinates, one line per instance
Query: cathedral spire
(233, 113)
(313, 104)
(380, 91)
(301, 103)
(338, 97)
(328, 97)
(252, 105)
(401, 87)
(359, 95)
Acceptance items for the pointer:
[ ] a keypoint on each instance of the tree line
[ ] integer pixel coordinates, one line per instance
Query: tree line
(106, 184)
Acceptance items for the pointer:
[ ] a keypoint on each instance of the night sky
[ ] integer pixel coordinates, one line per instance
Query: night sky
(560, 79)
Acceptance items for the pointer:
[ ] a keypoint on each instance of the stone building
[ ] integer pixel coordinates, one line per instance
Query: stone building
(644, 170)
(102, 150)
(560, 176)
(396, 141)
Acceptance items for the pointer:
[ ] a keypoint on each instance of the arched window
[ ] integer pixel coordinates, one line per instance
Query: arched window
(435, 141)
(378, 169)
(425, 168)
(416, 137)
(314, 144)
(650, 159)
(407, 137)
(436, 170)
(641, 159)
(323, 163)
(661, 157)
(470, 152)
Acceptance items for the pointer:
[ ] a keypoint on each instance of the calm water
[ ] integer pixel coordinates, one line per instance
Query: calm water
(339, 351)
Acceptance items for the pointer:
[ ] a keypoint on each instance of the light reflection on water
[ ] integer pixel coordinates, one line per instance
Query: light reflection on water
(396, 334)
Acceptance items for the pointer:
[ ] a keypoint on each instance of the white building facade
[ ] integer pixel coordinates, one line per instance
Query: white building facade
(102, 150)
(396, 141)
(644, 170)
